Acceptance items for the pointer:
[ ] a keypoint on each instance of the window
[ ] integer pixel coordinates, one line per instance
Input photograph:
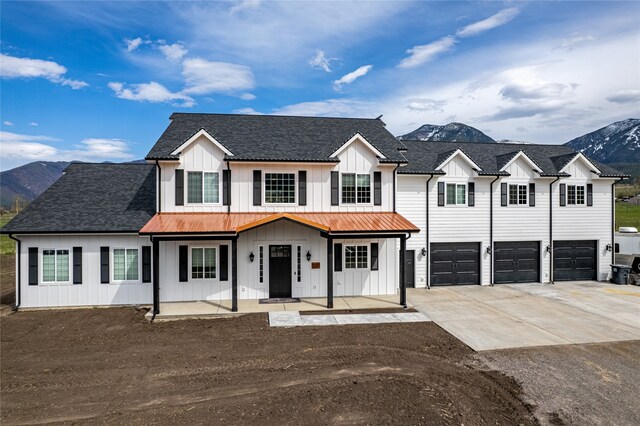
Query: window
(280, 188)
(356, 257)
(203, 263)
(456, 194)
(55, 266)
(125, 264)
(261, 263)
(298, 263)
(203, 187)
(575, 194)
(356, 188)
(517, 194)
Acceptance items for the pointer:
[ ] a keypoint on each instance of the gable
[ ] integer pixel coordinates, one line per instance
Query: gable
(585, 165)
(458, 155)
(201, 135)
(521, 167)
(458, 167)
(201, 154)
(358, 138)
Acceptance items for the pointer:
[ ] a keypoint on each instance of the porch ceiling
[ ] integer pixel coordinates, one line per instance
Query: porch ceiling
(233, 223)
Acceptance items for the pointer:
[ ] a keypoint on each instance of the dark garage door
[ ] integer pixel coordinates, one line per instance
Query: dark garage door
(455, 263)
(516, 262)
(574, 260)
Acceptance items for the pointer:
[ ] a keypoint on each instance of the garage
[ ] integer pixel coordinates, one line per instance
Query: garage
(516, 262)
(574, 260)
(455, 263)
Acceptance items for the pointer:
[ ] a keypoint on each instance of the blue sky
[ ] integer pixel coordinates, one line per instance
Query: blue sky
(97, 81)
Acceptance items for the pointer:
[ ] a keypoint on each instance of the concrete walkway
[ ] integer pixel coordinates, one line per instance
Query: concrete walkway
(294, 319)
(522, 315)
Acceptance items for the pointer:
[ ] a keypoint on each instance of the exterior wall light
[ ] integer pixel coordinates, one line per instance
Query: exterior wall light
(549, 248)
(488, 249)
(308, 256)
(251, 257)
(609, 247)
(423, 252)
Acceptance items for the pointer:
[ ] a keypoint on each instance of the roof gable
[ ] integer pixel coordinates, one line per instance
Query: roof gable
(363, 140)
(525, 158)
(580, 156)
(195, 137)
(456, 153)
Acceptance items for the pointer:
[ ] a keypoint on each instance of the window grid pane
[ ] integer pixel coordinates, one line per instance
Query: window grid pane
(362, 256)
(579, 194)
(513, 194)
(522, 194)
(197, 269)
(261, 265)
(62, 265)
(451, 193)
(461, 195)
(211, 188)
(350, 257)
(210, 263)
(349, 188)
(48, 265)
(280, 188)
(194, 191)
(132, 264)
(364, 188)
(571, 194)
(299, 263)
(118, 264)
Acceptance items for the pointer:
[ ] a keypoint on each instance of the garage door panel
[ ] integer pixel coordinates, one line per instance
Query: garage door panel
(455, 263)
(574, 260)
(516, 262)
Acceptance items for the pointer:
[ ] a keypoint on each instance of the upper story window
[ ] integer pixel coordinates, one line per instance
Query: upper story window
(203, 187)
(280, 188)
(575, 194)
(203, 263)
(456, 194)
(517, 194)
(125, 264)
(55, 266)
(356, 188)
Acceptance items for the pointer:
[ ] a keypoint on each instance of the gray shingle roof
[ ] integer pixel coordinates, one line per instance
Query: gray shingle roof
(424, 157)
(276, 138)
(92, 198)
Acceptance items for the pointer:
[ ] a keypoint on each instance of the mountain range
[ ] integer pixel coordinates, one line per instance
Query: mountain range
(617, 144)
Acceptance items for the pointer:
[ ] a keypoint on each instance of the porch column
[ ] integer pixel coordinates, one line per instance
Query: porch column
(156, 276)
(403, 284)
(234, 274)
(329, 272)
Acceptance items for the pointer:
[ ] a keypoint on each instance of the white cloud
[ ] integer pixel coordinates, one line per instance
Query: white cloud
(321, 61)
(491, 22)
(329, 108)
(248, 111)
(203, 77)
(625, 97)
(13, 67)
(34, 124)
(247, 96)
(149, 92)
(133, 44)
(18, 149)
(7, 123)
(351, 77)
(425, 105)
(244, 5)
(570, 43)
(173, 52)
(426, 52)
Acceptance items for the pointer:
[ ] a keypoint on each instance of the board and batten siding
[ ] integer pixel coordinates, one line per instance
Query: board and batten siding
(91, 292)
(313, 282)
(586, 222)
(203, 155)
(411, 203)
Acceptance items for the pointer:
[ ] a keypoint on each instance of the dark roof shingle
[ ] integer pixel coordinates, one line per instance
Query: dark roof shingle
(92, 198)
(276, 138)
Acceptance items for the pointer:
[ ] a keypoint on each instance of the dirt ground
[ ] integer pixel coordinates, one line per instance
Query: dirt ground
(112, 366)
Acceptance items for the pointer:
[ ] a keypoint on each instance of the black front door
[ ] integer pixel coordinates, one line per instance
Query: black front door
(410, 268)
(279, 271)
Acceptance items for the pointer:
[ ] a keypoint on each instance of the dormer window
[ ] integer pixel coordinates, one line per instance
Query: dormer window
(203, 187)
(356, 188)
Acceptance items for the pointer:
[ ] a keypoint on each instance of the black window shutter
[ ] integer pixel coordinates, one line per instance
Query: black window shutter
(374, 256)
(179, 187)
(146, 264)
(257, 187)
(503, 194)
(563, 194)
(226, 187)
(532, 195)
(334, 190)
(377, 188)
(104, 265)
(33, 265)
(589, 194)
(224, 263)
(302, 188)
(440, 194)
(183, 260)
(337, 257)
(472, 194)
(77, 265)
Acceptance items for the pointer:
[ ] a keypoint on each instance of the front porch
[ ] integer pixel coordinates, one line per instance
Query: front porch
(211, 308)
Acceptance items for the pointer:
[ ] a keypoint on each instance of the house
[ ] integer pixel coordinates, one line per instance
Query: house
(496, 213)
(232, 207)
(229, 207)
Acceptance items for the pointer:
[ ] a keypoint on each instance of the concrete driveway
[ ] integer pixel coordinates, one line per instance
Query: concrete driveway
(523, 315)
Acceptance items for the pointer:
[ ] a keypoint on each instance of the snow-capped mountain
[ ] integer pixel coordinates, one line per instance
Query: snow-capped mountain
(452, 132)
(618, 142)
